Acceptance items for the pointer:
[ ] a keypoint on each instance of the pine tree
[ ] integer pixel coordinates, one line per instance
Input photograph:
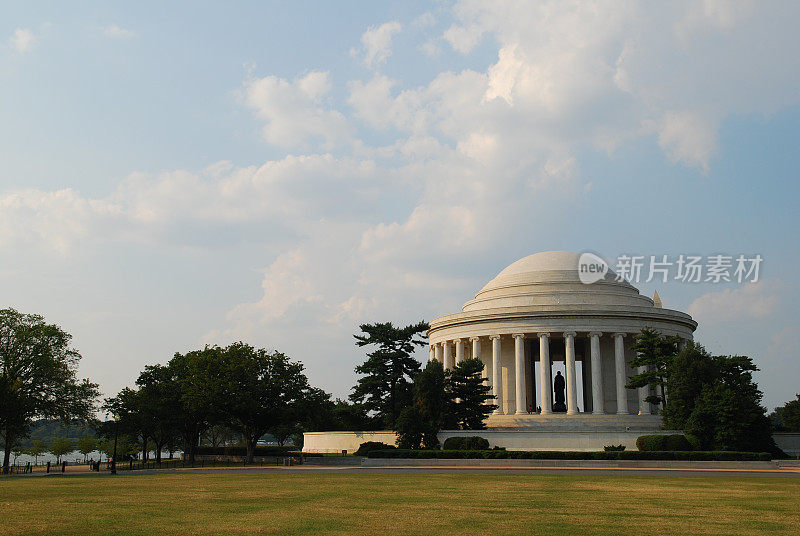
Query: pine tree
(469, 395)
(656, 354)
(386, 387)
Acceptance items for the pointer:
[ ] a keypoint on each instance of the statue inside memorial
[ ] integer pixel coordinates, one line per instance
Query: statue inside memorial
(559, 386)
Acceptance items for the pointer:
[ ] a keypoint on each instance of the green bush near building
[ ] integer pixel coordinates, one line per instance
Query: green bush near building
(650, 443)
(465, 443)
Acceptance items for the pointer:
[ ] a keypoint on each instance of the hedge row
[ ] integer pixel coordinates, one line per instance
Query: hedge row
(663, 442)
(715, 455)
(465, 443)
(242, 451)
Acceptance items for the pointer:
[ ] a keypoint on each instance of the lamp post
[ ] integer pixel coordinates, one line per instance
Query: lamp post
(116, 432)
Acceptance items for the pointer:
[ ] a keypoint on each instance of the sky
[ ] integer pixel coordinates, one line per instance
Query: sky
(189, 173)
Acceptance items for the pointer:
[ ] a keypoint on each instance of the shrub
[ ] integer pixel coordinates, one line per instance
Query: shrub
(365, 448)
(614, 448)
(465, 443)
(714, 455)
(663, 442)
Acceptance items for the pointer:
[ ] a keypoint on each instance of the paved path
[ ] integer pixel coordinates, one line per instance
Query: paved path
(793, 472)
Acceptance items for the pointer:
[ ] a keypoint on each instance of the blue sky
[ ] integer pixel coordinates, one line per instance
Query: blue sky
(279, 173)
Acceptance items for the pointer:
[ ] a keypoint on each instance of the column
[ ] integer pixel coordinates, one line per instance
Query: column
(497, 375)
(619, 368)
(476, 347)
(519, 372)
(572, 389)
(448, 355)
(431, 353)
(644, 405)
(459, 350)
(545, 373)
(597, 372)
(438, 353)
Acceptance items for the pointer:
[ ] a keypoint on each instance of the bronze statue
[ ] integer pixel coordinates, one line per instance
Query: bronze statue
(559, 386)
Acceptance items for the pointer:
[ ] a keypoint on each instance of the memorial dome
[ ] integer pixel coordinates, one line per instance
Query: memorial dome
(551, 278)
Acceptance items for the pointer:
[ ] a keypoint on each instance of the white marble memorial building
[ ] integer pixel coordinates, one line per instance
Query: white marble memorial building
(537, 315)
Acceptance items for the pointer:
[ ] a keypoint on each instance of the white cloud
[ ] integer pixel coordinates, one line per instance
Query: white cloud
(295, 112)
(119, 33)
(376, 43)
(687, 137)
(750, 301)
(22, 40)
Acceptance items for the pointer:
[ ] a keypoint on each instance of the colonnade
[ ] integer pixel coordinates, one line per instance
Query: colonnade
(443, 352)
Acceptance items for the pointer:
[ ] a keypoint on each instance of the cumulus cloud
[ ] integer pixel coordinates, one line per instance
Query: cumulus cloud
(751, 301)
(119, 33)
(22, 40)
(294, 111)
(376, 43)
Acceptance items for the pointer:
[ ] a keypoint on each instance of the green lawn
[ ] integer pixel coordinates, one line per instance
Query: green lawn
(373, 504)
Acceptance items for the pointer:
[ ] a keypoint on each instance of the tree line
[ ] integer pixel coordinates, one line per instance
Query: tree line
(240, 393)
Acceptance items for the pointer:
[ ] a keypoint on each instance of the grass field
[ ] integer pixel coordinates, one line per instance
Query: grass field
(402, 503)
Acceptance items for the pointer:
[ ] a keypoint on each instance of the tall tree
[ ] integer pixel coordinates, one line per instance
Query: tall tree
(469, 403)
(158, 398)
(419, 424)
(655, 353)
(199, 390)
(261, 391)
(715, 400)
(790, 416)
(386, 386)
(38, 377)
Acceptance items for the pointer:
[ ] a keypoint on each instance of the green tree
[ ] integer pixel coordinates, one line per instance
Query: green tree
(790, 415)
(469, 395)
(386, 386)
(410, 426)
(198, 391)
(656, 354)
(431, 399)
(37, 448)
(418, 424)
(38, 377)
(86, 445)
(61, 446)
(716, 402)
(158, 398)
(131, 419)
(261, 392)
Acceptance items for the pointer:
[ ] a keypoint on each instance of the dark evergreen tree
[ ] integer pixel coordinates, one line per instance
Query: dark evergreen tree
(469, 396)
(386, 386)
(656, 354)
(716, 402)
(419, 424)
(790, 416)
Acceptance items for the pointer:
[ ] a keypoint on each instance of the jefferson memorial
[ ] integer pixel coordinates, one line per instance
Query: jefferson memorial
(556, 353)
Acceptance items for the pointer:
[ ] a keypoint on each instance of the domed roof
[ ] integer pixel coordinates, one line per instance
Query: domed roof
(542, 262)
(551, 278)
